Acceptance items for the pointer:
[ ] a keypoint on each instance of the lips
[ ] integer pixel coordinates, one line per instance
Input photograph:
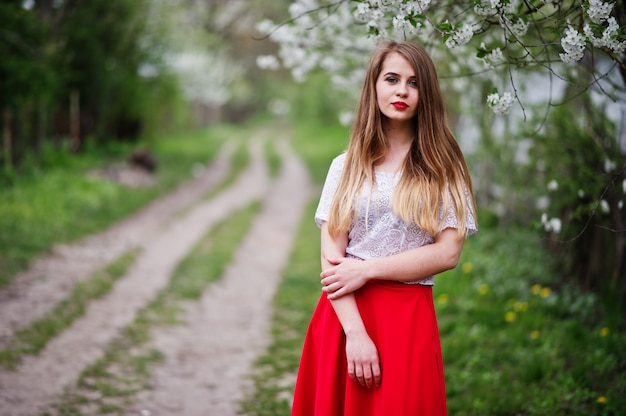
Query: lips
(400, 105)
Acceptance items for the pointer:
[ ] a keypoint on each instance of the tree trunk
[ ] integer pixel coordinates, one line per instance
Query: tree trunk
(42, 123)
(6, 138)
(75, 119)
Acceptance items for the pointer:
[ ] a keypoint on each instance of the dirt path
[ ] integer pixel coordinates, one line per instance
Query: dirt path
(207, 359)
(50, 279)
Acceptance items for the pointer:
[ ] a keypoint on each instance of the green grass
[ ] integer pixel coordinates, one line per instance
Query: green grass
(272, 158)
(110, 384)
(515, 342)
(239, 161)
(57, 201)
(32, 339)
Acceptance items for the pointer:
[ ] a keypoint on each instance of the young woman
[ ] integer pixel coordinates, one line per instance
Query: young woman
(394, 211)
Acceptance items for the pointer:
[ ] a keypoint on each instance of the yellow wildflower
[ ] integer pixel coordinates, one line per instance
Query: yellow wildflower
(442, 299)
(601, 400)
(520, 306)
(467, 267)
(535, 334)
(510, 316)
(536, 289)
(483, 289)
(604, 332)
(545, 292)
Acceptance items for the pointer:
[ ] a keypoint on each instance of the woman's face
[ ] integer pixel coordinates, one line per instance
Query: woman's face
(396, 89)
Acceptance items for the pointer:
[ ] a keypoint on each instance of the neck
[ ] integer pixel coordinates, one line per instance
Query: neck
(399, 138)
(399, 134)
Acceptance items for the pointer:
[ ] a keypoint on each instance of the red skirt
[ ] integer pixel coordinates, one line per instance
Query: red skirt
(400, 319)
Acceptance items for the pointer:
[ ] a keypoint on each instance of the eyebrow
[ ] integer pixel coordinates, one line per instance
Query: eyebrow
(394, 74)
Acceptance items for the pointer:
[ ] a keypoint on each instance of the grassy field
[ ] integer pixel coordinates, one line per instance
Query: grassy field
(57, 200)
(515, 341)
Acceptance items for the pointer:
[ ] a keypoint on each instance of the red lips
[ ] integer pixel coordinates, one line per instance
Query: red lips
(400, 105)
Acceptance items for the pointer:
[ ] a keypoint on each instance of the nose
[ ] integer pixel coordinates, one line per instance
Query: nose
(402, 90)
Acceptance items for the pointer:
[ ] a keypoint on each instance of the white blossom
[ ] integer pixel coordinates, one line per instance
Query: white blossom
(265, 26)
(500, 104)
(403, 25)
(362, 12)
(609, 165)
(573, 44)
(604, 206)
(609, 39)
(279, 107)
(518, 27)
(599, 11)
(482, 10)
(581, 193)
(494, 57)
(553, 185)
(543, 202)
(346, 118)
(460, 36)
(330, 64)
(301, 7)
(205, 78)
(552, 225)
(421, 6)
(493, 7)
(267, 62)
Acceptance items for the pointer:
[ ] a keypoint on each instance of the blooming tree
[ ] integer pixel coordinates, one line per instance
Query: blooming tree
(511, 50)
(480, 36)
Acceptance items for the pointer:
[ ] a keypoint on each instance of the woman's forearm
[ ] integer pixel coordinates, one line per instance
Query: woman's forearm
(346, 275)
(345, 307)
(348, 315)
(418, 263)
(361, 354)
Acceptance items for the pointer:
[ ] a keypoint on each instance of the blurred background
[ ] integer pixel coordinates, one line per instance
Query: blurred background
(78, 74)
(118, 70)
(85, 83)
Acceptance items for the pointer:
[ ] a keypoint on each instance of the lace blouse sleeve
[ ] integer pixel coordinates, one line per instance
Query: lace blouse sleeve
(452, 221)
(328, 191)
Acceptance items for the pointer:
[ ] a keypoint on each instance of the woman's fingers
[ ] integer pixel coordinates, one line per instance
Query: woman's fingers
(333, 291)
(351, 371)
(367, 375)
(376, 374)
(332, 288)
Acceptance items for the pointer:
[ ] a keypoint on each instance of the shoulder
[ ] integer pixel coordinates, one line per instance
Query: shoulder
(339, 160)
(336, 166)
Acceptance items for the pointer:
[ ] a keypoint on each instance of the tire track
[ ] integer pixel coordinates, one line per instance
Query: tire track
(50, 279)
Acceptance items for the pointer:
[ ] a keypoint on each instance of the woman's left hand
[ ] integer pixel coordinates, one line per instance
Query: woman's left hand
(345, 276)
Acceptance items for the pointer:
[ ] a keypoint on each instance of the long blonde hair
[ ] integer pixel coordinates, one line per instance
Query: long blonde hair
(433, 164)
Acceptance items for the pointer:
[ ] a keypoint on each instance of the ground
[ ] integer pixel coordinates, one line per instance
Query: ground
(208, 358)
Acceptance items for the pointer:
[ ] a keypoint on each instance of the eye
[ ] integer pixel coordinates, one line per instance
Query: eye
(391, 80)
(413, 83)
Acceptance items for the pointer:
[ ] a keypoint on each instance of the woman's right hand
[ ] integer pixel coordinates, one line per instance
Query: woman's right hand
(363, 361)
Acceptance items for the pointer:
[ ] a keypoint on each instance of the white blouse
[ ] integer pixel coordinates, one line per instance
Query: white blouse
(376, 231)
